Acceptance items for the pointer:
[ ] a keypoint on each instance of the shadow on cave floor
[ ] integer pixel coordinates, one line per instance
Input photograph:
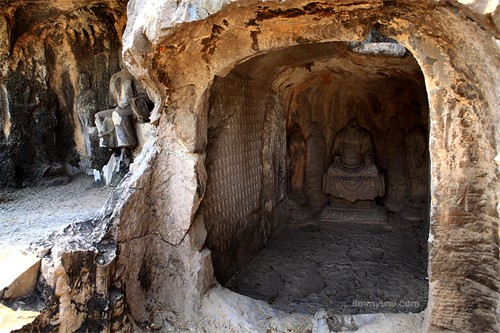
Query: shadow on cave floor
(32, 213)
(345, 268)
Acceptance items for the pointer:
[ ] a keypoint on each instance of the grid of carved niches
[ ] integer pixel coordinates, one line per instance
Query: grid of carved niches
(234, 185)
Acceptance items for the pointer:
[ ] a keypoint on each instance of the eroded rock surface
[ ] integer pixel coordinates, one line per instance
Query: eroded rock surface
(47, 45)
(144, 261)
(457, 87)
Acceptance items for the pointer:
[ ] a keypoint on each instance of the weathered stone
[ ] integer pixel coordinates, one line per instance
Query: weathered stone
(271, 31)
(45, 52)
(20, 274)
(12, 320)
(146, 132)
(315, 167)
(320, 322)
(297, 53)
(197, 233)
(378, 45)
(297, 156)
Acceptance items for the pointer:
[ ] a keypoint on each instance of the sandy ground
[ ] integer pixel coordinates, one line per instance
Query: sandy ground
(31, 213)
(346, 268)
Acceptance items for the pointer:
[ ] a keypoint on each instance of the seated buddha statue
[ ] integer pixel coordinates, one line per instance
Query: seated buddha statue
(353, 175)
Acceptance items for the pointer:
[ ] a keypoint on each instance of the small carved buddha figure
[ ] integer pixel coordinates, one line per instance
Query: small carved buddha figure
(353, 175)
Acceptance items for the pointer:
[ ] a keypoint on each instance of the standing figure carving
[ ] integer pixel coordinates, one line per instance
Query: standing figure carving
(116, 126)
(417, 158)
(315, 167)
(297, 155)
(86, 107)
(395, 141)
(353, 175)
(45, 122)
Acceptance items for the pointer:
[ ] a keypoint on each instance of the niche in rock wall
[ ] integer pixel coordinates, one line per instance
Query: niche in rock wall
(356, 130)
(391, 118)
(43, 139)
(392, 113)
(304, 129)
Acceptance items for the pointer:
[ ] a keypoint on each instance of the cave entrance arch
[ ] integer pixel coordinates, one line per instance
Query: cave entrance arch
(461, 93)
(272, 123)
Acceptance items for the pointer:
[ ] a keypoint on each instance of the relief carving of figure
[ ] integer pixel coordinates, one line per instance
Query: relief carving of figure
(297, 155)
(116, 126)
(417, 159)
(86, 107)
(395, 141)
(315, 167)
(353, 175)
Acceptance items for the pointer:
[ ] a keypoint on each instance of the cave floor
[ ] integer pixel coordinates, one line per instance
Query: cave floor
(343, 267)
(32, 213)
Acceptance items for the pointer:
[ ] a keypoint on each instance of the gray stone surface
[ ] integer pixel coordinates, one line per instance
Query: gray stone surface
(344, 266)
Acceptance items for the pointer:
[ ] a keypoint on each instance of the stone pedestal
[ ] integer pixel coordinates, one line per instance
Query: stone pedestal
(363, 215)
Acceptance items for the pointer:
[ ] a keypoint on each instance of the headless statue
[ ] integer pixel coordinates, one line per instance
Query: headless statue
(86, 107)
(116, 126)
(353, 175)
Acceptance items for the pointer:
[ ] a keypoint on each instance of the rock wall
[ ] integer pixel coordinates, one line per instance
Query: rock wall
(460, 89)
(177, 48)
(44, 49)
(234, 206)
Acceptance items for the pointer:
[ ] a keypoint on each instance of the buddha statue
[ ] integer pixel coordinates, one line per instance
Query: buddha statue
(353, 175)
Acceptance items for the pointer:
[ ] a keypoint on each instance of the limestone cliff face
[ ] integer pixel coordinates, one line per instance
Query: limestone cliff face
(146, 255)
(44, 48)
